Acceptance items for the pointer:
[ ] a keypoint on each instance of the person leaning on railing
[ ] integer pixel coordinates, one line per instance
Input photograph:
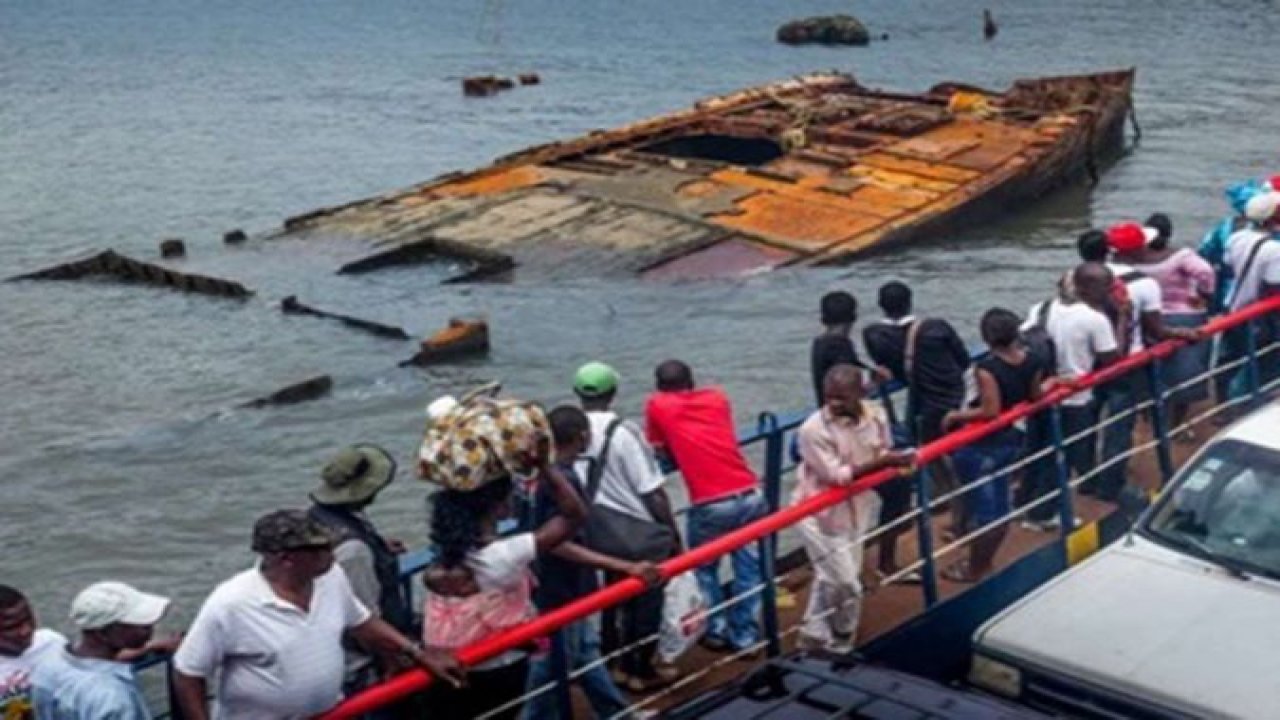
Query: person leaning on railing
(272, 634)
(1187, 286)
(631, 518)
(350, 482)
(1007, 376)
(570, 572)
(693, 426)
(481, 584)
(845, 438)
(1084, 340)
(1253, 254)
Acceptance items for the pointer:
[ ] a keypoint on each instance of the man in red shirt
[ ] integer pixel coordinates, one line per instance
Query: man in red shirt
(694, 428)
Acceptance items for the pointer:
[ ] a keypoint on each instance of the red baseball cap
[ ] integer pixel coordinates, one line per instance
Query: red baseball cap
(1129, 237)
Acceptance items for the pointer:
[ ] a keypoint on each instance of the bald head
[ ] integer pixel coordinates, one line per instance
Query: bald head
(672, 376)
(842, 390)
(1092, 281)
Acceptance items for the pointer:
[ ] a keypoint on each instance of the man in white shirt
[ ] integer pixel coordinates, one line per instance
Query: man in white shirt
(1128, 243)
(1254, 257)
(273, 634)
(1084, 341)
(630, 483)
(22, 646)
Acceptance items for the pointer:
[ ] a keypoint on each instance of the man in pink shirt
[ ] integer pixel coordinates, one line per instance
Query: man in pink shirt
(845, 438)
(694, 428)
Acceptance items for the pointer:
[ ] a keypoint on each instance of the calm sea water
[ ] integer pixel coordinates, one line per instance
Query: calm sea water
(128, 121)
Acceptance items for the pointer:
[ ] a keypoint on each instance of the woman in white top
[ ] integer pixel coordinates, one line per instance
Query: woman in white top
(481, 584)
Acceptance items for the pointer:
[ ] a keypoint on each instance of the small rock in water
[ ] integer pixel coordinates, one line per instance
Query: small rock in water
(530, 79)
(234, 237)
(825, 30)
(173, 248)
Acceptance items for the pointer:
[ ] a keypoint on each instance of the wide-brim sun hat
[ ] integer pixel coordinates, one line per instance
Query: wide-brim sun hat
(355, 475)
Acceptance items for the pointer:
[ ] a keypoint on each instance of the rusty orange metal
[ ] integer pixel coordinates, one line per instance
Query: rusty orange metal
(814, 170)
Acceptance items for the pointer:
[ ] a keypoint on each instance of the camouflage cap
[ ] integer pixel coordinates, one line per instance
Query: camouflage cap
(289, 530)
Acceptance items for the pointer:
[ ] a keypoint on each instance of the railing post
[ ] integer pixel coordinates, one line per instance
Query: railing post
(1159, 422)
(924, 533)
(1066, 510)
(767, 546)
(560, 668)
(1251, 369)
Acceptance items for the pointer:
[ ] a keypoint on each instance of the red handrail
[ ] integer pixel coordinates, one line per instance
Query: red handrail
(415, 680)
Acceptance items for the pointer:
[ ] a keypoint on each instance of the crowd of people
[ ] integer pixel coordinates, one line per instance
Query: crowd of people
(323, 613)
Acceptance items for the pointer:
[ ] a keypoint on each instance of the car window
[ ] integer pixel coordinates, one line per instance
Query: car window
(1226, 508)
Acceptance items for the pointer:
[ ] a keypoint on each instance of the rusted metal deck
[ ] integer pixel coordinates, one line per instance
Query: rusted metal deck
(814, 170)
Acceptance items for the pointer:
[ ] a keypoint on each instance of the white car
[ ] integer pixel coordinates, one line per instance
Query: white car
(1178, 619)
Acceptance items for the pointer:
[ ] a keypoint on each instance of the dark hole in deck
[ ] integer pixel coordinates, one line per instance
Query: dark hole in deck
(751, 152)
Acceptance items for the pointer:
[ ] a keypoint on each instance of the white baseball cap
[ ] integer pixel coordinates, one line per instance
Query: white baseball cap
(104, 603)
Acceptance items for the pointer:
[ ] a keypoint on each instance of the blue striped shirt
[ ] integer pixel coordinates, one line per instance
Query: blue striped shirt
(67, 687)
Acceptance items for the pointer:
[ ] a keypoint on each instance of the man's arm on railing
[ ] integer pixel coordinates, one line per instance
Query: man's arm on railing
(191, 692)
(376, 634)
(659, 506)
(575, 553)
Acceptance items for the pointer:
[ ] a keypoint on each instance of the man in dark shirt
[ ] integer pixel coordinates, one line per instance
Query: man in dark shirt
(833, 347)
(929, 358)
(568, 573)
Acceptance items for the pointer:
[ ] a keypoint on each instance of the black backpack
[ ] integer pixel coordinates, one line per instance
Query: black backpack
(1039, 344)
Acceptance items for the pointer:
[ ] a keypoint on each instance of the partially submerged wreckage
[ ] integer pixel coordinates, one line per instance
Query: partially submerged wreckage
(811, 171)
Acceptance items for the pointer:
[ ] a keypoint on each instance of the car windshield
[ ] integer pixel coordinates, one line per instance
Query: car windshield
(1225, 508)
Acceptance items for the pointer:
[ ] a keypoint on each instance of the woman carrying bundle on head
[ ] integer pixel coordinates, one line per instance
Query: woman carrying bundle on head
(481, 582)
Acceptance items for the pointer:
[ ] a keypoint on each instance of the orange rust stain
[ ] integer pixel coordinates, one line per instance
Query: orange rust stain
(892, 180)
(923, 168)
(493, 183)
(793, 222)
(901, 198)
(808, 193)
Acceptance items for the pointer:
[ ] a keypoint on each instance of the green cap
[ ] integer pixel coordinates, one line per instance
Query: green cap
(595, 379)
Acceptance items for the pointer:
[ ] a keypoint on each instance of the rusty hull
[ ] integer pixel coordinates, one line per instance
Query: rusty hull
(815, 170)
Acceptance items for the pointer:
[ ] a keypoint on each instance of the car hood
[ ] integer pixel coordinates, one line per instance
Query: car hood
(1143, 620)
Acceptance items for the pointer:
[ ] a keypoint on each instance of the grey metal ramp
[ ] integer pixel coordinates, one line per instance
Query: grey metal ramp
(816, 686)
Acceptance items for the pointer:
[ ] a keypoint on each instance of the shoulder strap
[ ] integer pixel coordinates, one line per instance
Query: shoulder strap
(595, 468)
(1042, 314)
(1248, 266)
(909, 351)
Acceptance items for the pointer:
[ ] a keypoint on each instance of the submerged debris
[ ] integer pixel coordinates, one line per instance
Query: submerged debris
(485, 85)
(462, 338)
(173, 248)
(826, 30)
(484, 263)
(309, 389)
(112, 264)
(291, 306)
